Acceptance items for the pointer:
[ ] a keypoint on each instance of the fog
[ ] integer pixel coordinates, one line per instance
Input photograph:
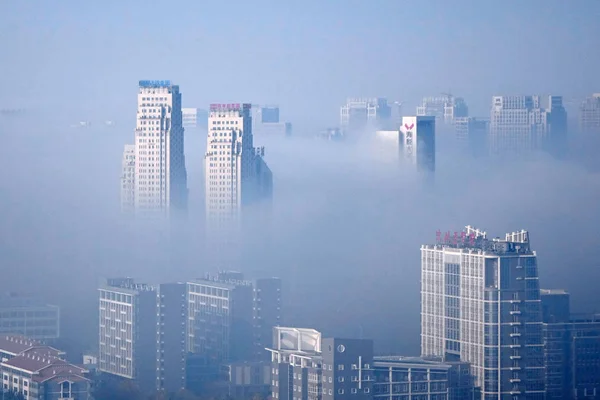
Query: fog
(347, 225)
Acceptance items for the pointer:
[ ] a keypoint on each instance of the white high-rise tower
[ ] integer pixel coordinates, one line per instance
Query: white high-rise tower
(160, 179)
(236, 174)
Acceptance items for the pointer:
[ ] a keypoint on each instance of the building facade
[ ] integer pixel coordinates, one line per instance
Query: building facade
(22, 314)
(160, 179)
(189, 117)
(589, 115)
(39, 372)
(480, 303)
(471, 135)
(127, 331)
(128, 179)
(236, 177)
(445, 108)
(412, 378)
(267, 314)
(361, 114)
(307, 367)
(417, 142)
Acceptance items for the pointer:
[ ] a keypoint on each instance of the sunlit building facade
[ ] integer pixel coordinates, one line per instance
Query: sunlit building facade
(236, 176)
(480, 303)
(160, 179)
(417, 142)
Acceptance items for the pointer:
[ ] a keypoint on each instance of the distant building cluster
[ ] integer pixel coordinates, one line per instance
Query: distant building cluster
(29, 316)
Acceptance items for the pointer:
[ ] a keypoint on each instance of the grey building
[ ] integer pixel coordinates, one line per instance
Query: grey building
(306, 367)
(267, 314)
(445, 108)
(246, 379)
(571, 349)
(471, 135)
(480, 303)
(127, 331)
(412, 378)
(27, 315)
(589, 114)
(171, 351)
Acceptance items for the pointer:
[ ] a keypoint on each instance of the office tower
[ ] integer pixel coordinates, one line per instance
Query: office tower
(127, 334)
(417, 142)
(219, 327)
(128, 179)
(267, 314)
(236, 177)
(412, 378)
(571, 349)
(589, 114)
(480, 303)
(38, 372)
(269, 114)
(471, 135)
(160, 182)
(361, 114)
(520, 125)
(308, 367)
(444, 108)
(171, 350)
(27, 315)
(554, 141)
(189, 117)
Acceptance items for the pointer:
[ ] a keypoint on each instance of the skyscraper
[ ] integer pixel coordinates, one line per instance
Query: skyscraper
(589, 114)
(520, 125)
(480, 303)
(471, 135)
(128, 179)
(445, 108)
(160, 179)
(359, 114)
(417, 142)
(236, 175)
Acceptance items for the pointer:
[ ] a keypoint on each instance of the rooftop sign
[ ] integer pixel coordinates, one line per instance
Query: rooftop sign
(148, 84)
(229, 107)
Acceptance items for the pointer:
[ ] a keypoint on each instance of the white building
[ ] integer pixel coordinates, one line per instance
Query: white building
(236, 174)
(160, 181)
(387, 146)
(417, 142)
(480, 303)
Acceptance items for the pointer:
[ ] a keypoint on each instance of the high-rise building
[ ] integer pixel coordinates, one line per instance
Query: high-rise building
(171, 350)
(571, 349)
(236, 175)
(27, 315)
(127, 331)
(520, 125)
(480, 303)
(160, 181)
(360, 114)
(444, 108)
(306, 367)
(269, 114)
(219, 327)
(128, 179)
(267, 314)
(189, 117)
(471, 135)
(417, 142)
(589, 114)
(388, 147)
(412, 378)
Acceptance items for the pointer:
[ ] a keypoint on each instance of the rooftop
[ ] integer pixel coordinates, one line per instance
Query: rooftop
(474, 239)
(16, 344)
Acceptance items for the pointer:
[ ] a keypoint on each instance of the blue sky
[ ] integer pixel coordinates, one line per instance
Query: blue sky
(307, 56)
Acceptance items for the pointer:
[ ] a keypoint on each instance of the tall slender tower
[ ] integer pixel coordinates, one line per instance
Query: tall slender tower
(480, 303)
(236, 176)
(160, 178)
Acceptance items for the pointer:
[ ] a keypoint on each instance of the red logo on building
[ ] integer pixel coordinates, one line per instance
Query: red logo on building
(408, 128)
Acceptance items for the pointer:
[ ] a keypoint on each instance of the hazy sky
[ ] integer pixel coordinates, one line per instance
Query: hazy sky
(89, 56)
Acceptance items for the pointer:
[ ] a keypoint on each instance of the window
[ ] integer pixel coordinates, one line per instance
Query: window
(340, 367)
(340, 391)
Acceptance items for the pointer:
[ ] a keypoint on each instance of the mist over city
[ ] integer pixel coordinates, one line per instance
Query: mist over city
(325, 194)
